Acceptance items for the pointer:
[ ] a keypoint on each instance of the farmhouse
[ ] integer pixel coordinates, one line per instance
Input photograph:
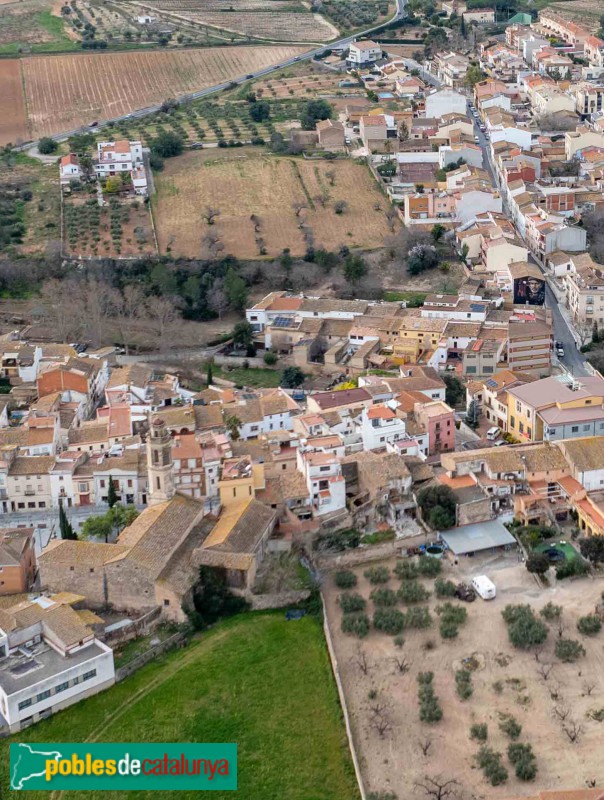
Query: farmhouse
(122, 158)
(69, 168)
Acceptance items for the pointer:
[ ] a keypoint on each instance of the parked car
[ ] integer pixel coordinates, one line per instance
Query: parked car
(559, 349)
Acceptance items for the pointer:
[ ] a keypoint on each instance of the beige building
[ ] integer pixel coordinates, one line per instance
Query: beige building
(28, 483)
(574, 141)
(585, 293)
(530, 347)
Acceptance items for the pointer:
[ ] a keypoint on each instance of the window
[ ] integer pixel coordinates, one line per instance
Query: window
(166, 601)
(513, 422)
(82, 487)
(42, 696)
(25, 703)
(471, 370)
(575, 429)
(102, 484)
(586, 427)
(88, 675)
(61, 687)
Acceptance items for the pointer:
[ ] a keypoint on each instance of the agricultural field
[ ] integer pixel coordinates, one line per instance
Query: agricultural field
(66, 92)
(291, 740)
(209, 121)
(584, 12)
(32, 192)
(282, 21)
(304, 86)
(31, 26)
(349, 15)
(266, 204)
(13, 117)
(537, 696)
(121, 228)
(117, 25)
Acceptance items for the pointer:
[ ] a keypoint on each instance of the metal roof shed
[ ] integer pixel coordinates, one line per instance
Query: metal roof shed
(473, 538)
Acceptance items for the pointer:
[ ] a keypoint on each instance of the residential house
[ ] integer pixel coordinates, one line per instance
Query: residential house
(70, 169)
(481, 16)
(330, 135)
(557, 408)
(445, 101)
(363, 53)
(49, 660)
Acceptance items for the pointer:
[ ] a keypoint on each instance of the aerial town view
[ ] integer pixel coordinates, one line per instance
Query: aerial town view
(302, 399)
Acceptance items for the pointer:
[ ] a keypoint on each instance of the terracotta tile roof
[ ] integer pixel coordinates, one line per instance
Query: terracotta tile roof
(31, 465)
(13, 542)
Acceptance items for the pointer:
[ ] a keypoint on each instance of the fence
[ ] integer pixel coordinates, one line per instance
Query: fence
(139, 627)
(177, 640)
(336, 675)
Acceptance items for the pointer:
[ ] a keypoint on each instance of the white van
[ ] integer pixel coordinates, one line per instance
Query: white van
(493, 433)
(484, 587)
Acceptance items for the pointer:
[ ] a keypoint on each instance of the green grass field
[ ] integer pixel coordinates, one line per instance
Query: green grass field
(257, 680)
(257, 377)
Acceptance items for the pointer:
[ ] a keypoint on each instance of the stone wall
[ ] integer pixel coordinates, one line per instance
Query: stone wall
(177, 640)
(262, 602)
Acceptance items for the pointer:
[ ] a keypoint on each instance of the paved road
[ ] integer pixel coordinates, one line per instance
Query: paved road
(143, 112)
(573, 360)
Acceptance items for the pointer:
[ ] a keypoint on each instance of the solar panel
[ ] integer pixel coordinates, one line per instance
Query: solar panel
(491, 383)
(476, 307)
(282, 322)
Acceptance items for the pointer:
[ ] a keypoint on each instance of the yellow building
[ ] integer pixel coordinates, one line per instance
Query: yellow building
(239, 480)
(417, 335)
(556, 408)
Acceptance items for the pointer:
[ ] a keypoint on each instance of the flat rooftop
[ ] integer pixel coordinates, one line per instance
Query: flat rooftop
(29, 666)
(477, 537)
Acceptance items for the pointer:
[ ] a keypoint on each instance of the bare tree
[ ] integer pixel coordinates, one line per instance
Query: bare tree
(362, 662)
(94, 302)
(128, 311)
(561, 712)
(211, 245)
(544, 670)
(321, 199)
(401, 664)
(298, 206)
(425, 746)
(573, 730)
(439, 788)
(561, 628)
(588, 688)
(210, 214)
(217, 299)
(256, 222)
(381, 724)
(330, 174)
(165, 319)
(56, 298)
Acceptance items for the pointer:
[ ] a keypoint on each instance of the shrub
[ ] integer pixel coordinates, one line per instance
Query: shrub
(524, 629)
(490, 763)
(429, 707)
(589, 625)
(356, 625)
(46, 146)
(345, 579)
(452, 613)
(551, 612)
(413, 592)
(351, 603)
(383, 597)
(569, 650)
(463, 683)
(479, 731)
(510, 726)
(406, 570)
(571, 569)
(429, 567)
(443, 588)
(448, 630)
(377, 574)
(389, 620)
(419, 618)
(523, 759)
(270, 358)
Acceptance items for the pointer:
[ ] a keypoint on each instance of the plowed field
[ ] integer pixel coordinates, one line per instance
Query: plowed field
(65, 92)
(13, 119)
